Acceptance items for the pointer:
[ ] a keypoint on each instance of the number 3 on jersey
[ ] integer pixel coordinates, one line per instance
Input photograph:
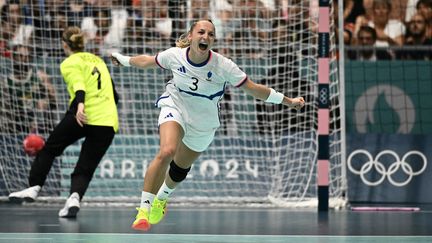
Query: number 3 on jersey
(95, 70)
(195, 84)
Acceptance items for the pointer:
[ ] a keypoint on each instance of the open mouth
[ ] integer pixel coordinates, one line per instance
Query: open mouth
(203, 46)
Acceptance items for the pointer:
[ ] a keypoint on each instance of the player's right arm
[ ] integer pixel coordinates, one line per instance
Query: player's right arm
(141, 61)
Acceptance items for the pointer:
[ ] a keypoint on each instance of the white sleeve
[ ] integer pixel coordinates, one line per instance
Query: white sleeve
(165, 58)
(234, 75)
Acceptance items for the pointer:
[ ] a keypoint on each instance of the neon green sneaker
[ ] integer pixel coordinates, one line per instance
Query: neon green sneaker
(141, 220)
(157, 211)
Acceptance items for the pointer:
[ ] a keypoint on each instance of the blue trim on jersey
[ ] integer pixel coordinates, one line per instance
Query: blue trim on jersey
(218, 105)
(197, 64)
(210, 97)
(162, 97)
(157, 62)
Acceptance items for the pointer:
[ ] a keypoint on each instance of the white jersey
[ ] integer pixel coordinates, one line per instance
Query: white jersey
(196, 89)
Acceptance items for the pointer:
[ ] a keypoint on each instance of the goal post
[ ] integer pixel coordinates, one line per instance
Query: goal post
(262, 154)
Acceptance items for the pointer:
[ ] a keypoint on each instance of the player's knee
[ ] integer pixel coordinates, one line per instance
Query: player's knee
(176, 173)
(167, 153)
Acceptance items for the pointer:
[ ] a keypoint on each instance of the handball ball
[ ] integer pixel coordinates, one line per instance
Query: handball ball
(33, 143)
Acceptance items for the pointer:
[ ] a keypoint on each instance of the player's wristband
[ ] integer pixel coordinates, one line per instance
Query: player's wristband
(79, 96)
(275, 97)
(123, 60)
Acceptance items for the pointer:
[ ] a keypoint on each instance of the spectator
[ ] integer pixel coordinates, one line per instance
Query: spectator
(221, 13)
(6, 32)
(249, 29)
(29, 95)
(105, 30)
(348, 27)
(76, 10)
(177, 10)
(366, 39)
(389, 31)
(102, 21)
(41, 15)
(424, 7)
(365, 16)
(398, 10)
(416, 36)
(349, 10)
(150, 28)
(410, 10)
(272, 118)
(134, 36)
(200, 9)
(50, 44)
(13, 27)
(155, 18)
(364, 13)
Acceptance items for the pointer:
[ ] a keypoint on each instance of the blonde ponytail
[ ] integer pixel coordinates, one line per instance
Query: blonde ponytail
(183, 41)
(74, 38)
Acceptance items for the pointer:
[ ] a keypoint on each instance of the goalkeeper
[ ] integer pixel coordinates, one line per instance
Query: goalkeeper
(189, 111)
(92, 115)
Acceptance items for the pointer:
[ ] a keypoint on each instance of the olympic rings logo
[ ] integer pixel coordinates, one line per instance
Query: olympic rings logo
(323, 93)
(381, 169)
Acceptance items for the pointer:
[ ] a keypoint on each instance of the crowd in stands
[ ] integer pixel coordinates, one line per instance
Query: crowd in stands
(146, 26)
(398, 29)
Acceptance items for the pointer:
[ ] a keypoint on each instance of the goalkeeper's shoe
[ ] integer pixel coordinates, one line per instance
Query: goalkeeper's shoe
(71, 207)
(29, 195)
(141, 220)
(157, 211)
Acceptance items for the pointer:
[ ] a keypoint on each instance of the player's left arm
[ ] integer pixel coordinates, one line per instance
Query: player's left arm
(269, 95)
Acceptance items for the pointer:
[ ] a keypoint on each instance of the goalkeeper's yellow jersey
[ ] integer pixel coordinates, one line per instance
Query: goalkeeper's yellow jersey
(88, 72)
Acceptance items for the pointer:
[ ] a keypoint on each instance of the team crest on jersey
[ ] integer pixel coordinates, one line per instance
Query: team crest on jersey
(209, 74)
(182, 69)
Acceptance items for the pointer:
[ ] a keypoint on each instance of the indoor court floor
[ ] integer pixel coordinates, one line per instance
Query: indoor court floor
(105, 224)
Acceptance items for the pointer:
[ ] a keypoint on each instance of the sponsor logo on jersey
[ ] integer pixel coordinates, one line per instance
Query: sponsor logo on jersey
(168, 116)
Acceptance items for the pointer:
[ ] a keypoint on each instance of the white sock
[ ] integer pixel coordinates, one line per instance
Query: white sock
(146, 200)
(164, 192)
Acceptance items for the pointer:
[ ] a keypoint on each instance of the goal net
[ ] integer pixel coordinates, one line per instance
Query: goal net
(262, 153)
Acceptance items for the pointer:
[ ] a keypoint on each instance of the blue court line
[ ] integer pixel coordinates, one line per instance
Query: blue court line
(192, 238)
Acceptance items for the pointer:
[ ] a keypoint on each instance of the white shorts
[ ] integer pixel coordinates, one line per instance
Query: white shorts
(196, 140)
